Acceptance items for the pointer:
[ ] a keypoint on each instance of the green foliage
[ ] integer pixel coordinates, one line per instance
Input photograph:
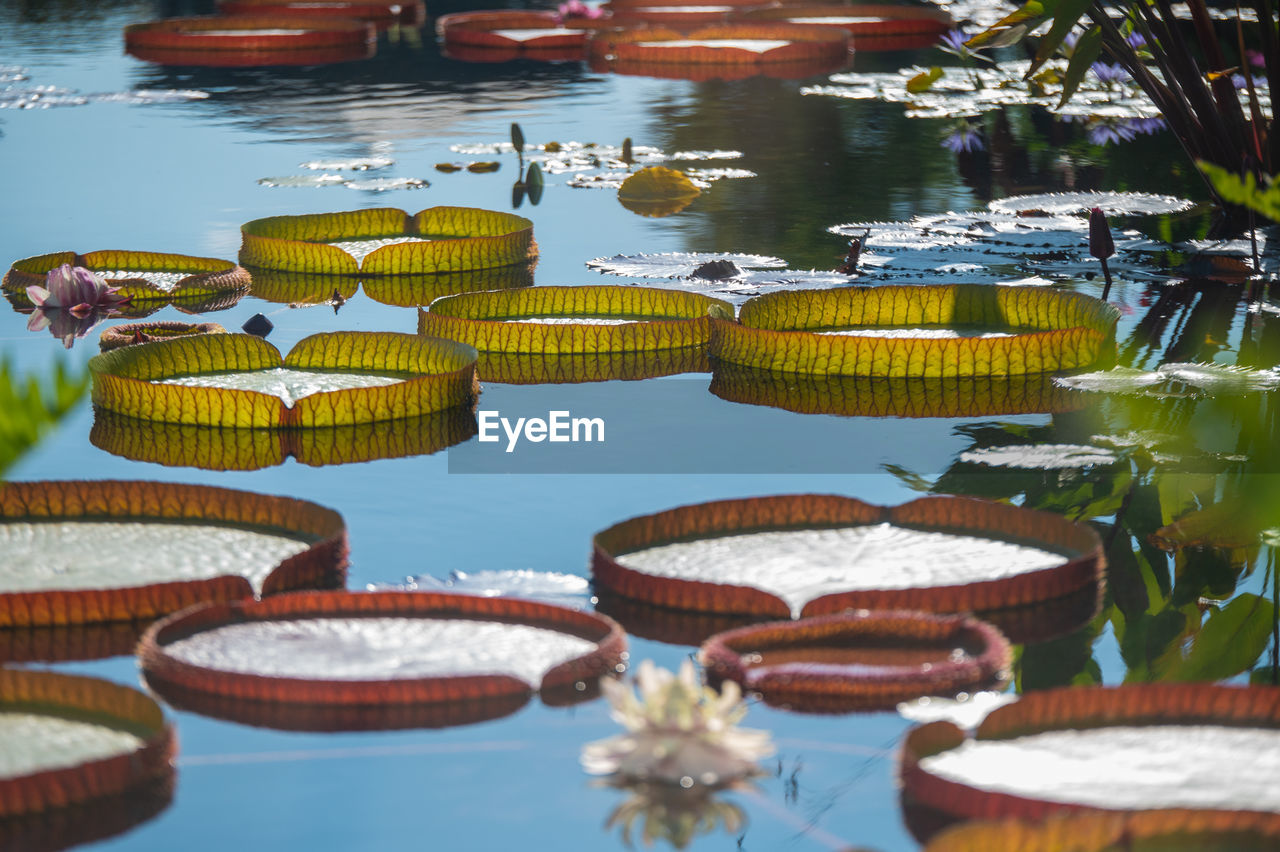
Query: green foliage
(1230, 642)
(1244, 190)
(1084, 55)
(924, 81)
(29, 408)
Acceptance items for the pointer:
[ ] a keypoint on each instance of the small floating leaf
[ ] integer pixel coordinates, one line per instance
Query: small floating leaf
(484, 166)
(657, 191)
(924, 81)
(450, 167)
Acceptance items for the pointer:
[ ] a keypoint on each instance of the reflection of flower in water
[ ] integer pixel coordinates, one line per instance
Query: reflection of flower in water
(72, 301)
(674, 814)
(64, 324)
(964, 137)
(679, 732)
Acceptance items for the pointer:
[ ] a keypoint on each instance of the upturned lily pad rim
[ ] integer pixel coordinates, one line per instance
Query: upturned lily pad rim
(664, 319)
(636, 46)
(305, 33)
(207, 276)
(1083, 567)
(773, 331)
(163, 670)
(123, 335)
(94, 700)
(723, 656)
(1073, 708)
(473, 238)
(439, 374)
(323, 564)
(1106, 831)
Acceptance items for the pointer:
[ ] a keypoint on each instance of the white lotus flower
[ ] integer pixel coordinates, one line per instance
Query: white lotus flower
(678, 731)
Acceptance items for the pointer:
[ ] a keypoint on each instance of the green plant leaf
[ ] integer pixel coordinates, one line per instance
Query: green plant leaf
(1011, 28)
(1230, 642)
(1085, 54)
(1065, 18)
(28, 409)
(517, 137)
(1243, 190)
(924, 81)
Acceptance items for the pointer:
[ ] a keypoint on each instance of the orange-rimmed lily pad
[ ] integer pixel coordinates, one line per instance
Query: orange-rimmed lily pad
(919, 331)
(412, 12)
(793, 555)
(70, 642)
(866, 21)
(97, 819)
(1110, 749)
(517, 368)
(386, 241)
(241, 381)
(859, 660)
(408, 291)
(213, 448)
(868, 396)
(723, 44)
(1183, 830)
(149, 332)
(84, 552)
(327, 650)
(674, 13)
(588, 320)
(525, 32)
(143, 276)
(69, 739)
(249, 34)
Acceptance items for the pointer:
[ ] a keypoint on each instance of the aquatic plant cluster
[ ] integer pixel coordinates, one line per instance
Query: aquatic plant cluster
(806, 603)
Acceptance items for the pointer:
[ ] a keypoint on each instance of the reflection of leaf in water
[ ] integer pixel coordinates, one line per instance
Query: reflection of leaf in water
(1112, 203)
(1171, 380)
(657, 191)
(1230, 642)
(672, 814)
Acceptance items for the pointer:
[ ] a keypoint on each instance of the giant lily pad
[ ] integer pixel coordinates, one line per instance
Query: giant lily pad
(145, 277)
(657, 191)
(388, 242)
(865, 396)
(1119, 749)
(905, 331)
(859, 660)
(574, 320)
(327, 651)
(529, 34)
(251, 40)
(408, 291)
(1111, 203)
(726, 44)
(1181, 829)
(69, 739)
(72, 549)
(240, 381)
(213, 448)
(383, 14)
(729, 275)
(70, 642)
(518, 368)
(868, 22)
(301, 288)
(806, 555)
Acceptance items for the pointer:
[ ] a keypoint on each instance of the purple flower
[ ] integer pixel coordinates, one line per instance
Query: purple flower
(953, 42)
(964, 138)
(1256, 59)
(1135, 40)
(75, 290)
(1105, 131)
(64, 325)
(1147, 126)
(1109, 74)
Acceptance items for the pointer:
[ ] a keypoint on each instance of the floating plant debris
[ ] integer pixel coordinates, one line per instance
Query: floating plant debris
(332, 649)
(1080, 203)
(859, 660)
(790, 556)
(67, 739)
(1176, 379)
(1050, 330)
(430, 375)
(584, 320)
(438, 239)
(75, 549)
(141, 276)
(359, 164)
(1123, 748)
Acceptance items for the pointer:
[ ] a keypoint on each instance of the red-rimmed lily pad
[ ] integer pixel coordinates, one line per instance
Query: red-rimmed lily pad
(145, 277)
(589, 320)
(386, 241)
(213, 448)
(911, 331)
(249, 34)
(753, 45)
(866, 396)
(241, 381)
(673, 13)
(859, 660)
(97, 819)
(456, 653)
(70, 642)
(530, 34)
(69, 739)
(84, 552)
(385, 13)
(149, 332)
(803, 555)
(866, 21)
(1111, 749)
(1169, 829)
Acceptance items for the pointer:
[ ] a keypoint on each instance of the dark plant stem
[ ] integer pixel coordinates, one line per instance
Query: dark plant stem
(1106, 272)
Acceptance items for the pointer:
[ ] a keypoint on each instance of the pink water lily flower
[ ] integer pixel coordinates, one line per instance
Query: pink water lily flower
(578, 9)
(75, 290)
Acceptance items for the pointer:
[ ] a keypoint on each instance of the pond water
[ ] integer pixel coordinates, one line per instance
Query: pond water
(181, 176)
